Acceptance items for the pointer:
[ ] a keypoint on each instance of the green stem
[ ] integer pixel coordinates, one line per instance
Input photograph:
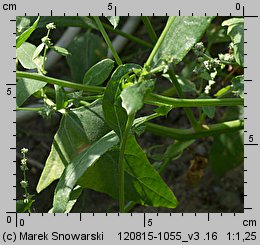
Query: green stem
(186, 134)
(129, 124)
(29, 109)
(128, 36)
(149, 29)
(106, 37)
(62, 83)
(188, 111)
(45, 51)
(84, 103)
(154, 99)
(160, 40)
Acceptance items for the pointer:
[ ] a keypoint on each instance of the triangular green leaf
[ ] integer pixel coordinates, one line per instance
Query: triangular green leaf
(143, 184)
(79, 128)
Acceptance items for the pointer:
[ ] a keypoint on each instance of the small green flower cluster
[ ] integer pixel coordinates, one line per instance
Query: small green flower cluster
(24, 183)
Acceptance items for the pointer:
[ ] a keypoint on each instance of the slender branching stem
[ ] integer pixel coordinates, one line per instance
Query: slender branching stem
(60, 82)
(149, 29)
(128, 36)
(160, 40)
(188, 111)
(205, 131)
(107, 39)
(154, 99)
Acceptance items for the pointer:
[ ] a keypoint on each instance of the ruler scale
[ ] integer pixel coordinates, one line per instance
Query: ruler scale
(139, 228)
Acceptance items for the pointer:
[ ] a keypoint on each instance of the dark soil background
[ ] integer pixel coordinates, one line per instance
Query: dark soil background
(211, 194)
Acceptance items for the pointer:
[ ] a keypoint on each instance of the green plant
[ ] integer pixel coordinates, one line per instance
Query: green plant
(25, 204)
(95, 146)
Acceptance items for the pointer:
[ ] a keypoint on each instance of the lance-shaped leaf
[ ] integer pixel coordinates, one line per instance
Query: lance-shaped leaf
(74, 195)
(60, 97)
(183, 32)
(133, 96)
(143, 184)
(99, 72)
(115, 115)
(78, 167)
(78, 129)
(26, 34)
(60, 50)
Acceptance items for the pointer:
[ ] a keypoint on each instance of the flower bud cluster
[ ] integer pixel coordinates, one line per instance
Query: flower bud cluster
(47, 112)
